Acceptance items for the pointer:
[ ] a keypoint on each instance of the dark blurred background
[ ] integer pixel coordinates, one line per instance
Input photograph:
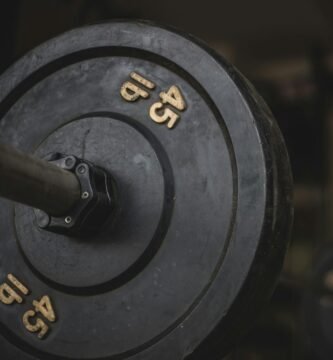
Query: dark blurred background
(285, 48)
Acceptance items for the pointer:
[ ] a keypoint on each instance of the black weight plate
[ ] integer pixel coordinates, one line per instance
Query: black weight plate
(205, 208)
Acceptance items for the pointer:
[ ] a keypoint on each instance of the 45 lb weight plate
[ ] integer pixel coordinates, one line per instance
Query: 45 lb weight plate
(203, 189)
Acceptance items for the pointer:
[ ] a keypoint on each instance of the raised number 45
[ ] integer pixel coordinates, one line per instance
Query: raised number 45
(35, 324)
(161, 114)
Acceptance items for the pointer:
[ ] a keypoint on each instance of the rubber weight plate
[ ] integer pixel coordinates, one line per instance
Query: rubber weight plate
(204, 189)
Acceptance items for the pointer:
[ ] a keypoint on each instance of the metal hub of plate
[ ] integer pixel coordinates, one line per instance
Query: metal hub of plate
(204, 192)
(108, 259)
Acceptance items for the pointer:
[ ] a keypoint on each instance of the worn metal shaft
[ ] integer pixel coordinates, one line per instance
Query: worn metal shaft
(37, 183)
